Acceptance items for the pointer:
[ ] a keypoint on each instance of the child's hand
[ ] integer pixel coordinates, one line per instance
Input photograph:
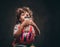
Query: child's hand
(26, 22)
(32, 22)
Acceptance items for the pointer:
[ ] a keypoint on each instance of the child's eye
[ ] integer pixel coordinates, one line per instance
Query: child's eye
(22, 14)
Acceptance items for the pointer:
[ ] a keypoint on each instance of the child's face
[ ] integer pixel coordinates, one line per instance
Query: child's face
(23, 15)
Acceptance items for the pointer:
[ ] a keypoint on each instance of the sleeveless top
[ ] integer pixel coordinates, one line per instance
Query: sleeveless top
(27, 36)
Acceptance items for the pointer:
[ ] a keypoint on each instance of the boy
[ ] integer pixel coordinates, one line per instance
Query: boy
(26, 29)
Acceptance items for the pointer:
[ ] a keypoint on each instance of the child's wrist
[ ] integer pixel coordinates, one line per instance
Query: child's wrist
(22, 25)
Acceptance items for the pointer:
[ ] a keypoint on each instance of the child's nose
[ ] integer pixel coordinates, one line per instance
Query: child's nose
(27, 15)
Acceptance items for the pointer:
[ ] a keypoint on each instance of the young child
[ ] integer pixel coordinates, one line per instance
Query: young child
(25, 30)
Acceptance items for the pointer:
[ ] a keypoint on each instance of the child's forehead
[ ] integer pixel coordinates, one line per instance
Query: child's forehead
(25, 13)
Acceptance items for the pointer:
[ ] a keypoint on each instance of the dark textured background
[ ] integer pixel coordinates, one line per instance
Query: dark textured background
(46, 15)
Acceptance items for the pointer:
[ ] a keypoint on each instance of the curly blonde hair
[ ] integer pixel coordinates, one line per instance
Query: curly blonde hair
(22, 10)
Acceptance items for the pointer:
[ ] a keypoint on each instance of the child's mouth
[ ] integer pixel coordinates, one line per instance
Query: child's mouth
(27, 17)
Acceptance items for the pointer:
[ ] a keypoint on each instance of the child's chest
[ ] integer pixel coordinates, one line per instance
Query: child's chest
(26, 29)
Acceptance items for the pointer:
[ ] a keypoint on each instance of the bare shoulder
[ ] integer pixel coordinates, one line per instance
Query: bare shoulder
(16, 28)
(17, 25)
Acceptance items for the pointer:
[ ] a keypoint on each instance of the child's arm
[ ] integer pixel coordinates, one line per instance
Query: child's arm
(22, 25)
(35, 27)
(18, 32)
